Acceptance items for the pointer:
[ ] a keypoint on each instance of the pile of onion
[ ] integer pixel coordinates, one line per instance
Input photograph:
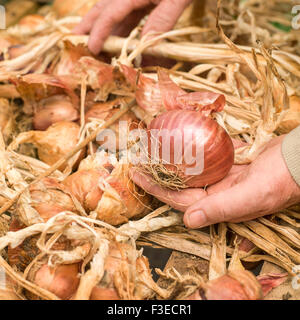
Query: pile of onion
(187, 148)
(54, 109)
(62, 280)
(108, 190)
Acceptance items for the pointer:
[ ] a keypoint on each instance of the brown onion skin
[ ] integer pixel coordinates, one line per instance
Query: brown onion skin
(84, 185)
(31, 21)
(54, 109)
(218, 146)
(67, 7)
(50, 197)
(62, 280)
(23, 254)
(105, 111)
(57, 141)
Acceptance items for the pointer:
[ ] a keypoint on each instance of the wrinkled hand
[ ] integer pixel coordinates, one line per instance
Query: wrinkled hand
(111, 16)
(249, 191)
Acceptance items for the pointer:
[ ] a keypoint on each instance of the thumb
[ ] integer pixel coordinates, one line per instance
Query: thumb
(164, 17)
(229, 205)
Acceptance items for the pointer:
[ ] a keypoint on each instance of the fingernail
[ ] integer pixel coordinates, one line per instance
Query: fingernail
(196, 219)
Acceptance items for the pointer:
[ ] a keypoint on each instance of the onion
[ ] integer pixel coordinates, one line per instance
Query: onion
(8, 294)
(54, 109)
(85, 186)
(119, 260)
(50, 197)
(52, 144)
(68, 59)
(62, 280)
(105, 111)
(195, 132)
(155, 97)
(7, 288)
(22, 255)
(237, 285)
(7, 119)
(105, 290)
(100, 293)
(31, 21)
(292, 119)
(174, 97)
(270, 281)
(101, 77)
(147, 91)
(35, 87)
(109, 191)
(72, 7)
(16, 51)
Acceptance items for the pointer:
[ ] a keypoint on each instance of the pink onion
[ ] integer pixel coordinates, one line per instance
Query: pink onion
(54, 109)
(237, 285)
(196, 132)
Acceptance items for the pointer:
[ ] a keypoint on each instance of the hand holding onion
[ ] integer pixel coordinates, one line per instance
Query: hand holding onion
(248, 191)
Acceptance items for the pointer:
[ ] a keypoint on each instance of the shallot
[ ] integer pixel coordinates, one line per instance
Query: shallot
(62, 280)
(104, 111)
(237, 285)
(52, 144)
(54, 109)
(109, 191)
(200, 151)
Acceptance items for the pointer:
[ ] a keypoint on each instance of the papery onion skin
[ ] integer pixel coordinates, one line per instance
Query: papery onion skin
(123, 200)
(270, 281)
(104, 111)
(147, 91)
(174, 97)
(217, 145)
(7, 119)
(54, 109)
(54, 143)
(62, 280)
(237, 285)
(31, 21)
(50, 197)
(21, 256)
(111, 194)
(8, 295)
(72, 7)
(291, 120)
(85, 186)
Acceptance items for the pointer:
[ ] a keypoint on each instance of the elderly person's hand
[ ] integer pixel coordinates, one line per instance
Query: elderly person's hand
(249, 191)
(108, 16)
